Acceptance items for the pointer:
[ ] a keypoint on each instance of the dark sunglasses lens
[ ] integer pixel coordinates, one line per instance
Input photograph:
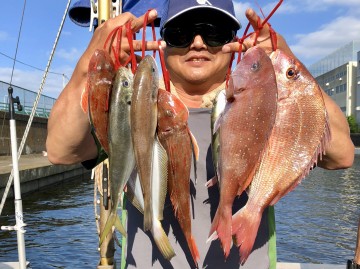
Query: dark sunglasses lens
(215, 36)
(212, 35)
(177, 37)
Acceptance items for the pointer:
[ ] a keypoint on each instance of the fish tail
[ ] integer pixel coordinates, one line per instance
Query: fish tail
(221, 225)
(162, 241)
(147, 215)
(113, 220)
(194, 250)
(211, 182)
(245, 225)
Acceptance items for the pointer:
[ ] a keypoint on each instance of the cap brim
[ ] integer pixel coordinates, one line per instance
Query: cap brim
(208, 12)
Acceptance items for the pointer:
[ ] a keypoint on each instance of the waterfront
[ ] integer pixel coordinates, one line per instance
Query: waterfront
(316, 223)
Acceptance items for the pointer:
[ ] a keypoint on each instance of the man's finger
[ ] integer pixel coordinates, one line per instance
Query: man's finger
(138, 23)
(256, 21)
(138, 45)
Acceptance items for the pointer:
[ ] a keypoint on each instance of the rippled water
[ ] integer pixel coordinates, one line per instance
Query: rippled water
(316, 223)
(61, 230)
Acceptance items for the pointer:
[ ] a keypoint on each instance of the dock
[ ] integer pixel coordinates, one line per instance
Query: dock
(36, 172)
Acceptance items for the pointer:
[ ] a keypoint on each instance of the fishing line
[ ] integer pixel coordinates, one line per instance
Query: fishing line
(17, 43)
(13, 67)
(29, 65)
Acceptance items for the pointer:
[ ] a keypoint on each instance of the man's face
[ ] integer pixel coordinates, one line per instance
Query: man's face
(197, 63)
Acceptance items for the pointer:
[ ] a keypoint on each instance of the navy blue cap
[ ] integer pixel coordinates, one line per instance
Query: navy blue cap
(139, 8)
(221, 11)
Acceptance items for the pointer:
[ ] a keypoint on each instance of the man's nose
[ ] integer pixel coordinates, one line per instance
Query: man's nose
(198, 42)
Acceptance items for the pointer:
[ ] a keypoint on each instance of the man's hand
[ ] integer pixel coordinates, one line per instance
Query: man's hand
(263, 40)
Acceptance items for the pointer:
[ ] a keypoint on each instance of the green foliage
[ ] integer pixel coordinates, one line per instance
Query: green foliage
(354, 127)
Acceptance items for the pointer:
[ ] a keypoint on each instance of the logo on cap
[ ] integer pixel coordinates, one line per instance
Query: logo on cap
(203, 2)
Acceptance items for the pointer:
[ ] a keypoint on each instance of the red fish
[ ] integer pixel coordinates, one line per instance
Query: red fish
(95, 97)
(176, 138)
(299, 136)
(245, 127)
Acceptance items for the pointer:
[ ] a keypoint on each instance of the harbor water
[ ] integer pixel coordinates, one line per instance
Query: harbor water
(316, 223)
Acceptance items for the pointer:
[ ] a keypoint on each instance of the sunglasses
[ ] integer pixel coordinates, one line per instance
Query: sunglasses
(213, 36)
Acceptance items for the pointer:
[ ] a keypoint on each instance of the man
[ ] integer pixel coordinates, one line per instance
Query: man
(355, 263)
(197, 53)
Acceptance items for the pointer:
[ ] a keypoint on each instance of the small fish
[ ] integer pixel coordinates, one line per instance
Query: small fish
(245, 127)
(175, 136)
(158, 195)
(96, 95)
(300, 134)
(121, 154)
(219, 104)
(143, 115)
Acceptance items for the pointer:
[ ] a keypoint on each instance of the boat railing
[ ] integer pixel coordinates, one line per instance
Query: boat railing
(27, 99)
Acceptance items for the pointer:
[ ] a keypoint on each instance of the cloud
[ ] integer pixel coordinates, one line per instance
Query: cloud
(70, 55)
(313, 46)
(31, 80)
(240, 8)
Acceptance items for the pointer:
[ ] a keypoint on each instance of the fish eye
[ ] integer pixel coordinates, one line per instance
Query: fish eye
(255, 66)
(125, 83)
(291, 73)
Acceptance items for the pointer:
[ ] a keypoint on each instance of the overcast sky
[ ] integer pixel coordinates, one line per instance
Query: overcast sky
(312, 28)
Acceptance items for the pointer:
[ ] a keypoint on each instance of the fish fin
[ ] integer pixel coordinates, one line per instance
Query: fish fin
(212, 237)
(222, 225)
(134, 201)
(162, 241)
(196, 152)
(118, 225)
(211, 182)
(113, 220)
(218, 122)
(134, 192)
(194, 250)
(163, 164)
(195, 146)
(108, 97)
(245, 225)
(84, 100)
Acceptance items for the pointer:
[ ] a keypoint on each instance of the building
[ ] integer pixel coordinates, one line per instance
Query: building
(338, 74)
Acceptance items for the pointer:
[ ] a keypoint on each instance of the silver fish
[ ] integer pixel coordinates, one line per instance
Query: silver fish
(121, 155)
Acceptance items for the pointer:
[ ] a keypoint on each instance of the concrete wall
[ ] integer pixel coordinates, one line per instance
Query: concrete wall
(34, 179)
(35, 142)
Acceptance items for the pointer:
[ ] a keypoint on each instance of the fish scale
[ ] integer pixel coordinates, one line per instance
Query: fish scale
(121, 155)
(244, 129)
(95, 97)
(175, 136)
(299, 136)
(143, 115)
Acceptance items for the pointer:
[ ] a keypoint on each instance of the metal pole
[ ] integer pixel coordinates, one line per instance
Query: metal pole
(107, 260)
(19, 227)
